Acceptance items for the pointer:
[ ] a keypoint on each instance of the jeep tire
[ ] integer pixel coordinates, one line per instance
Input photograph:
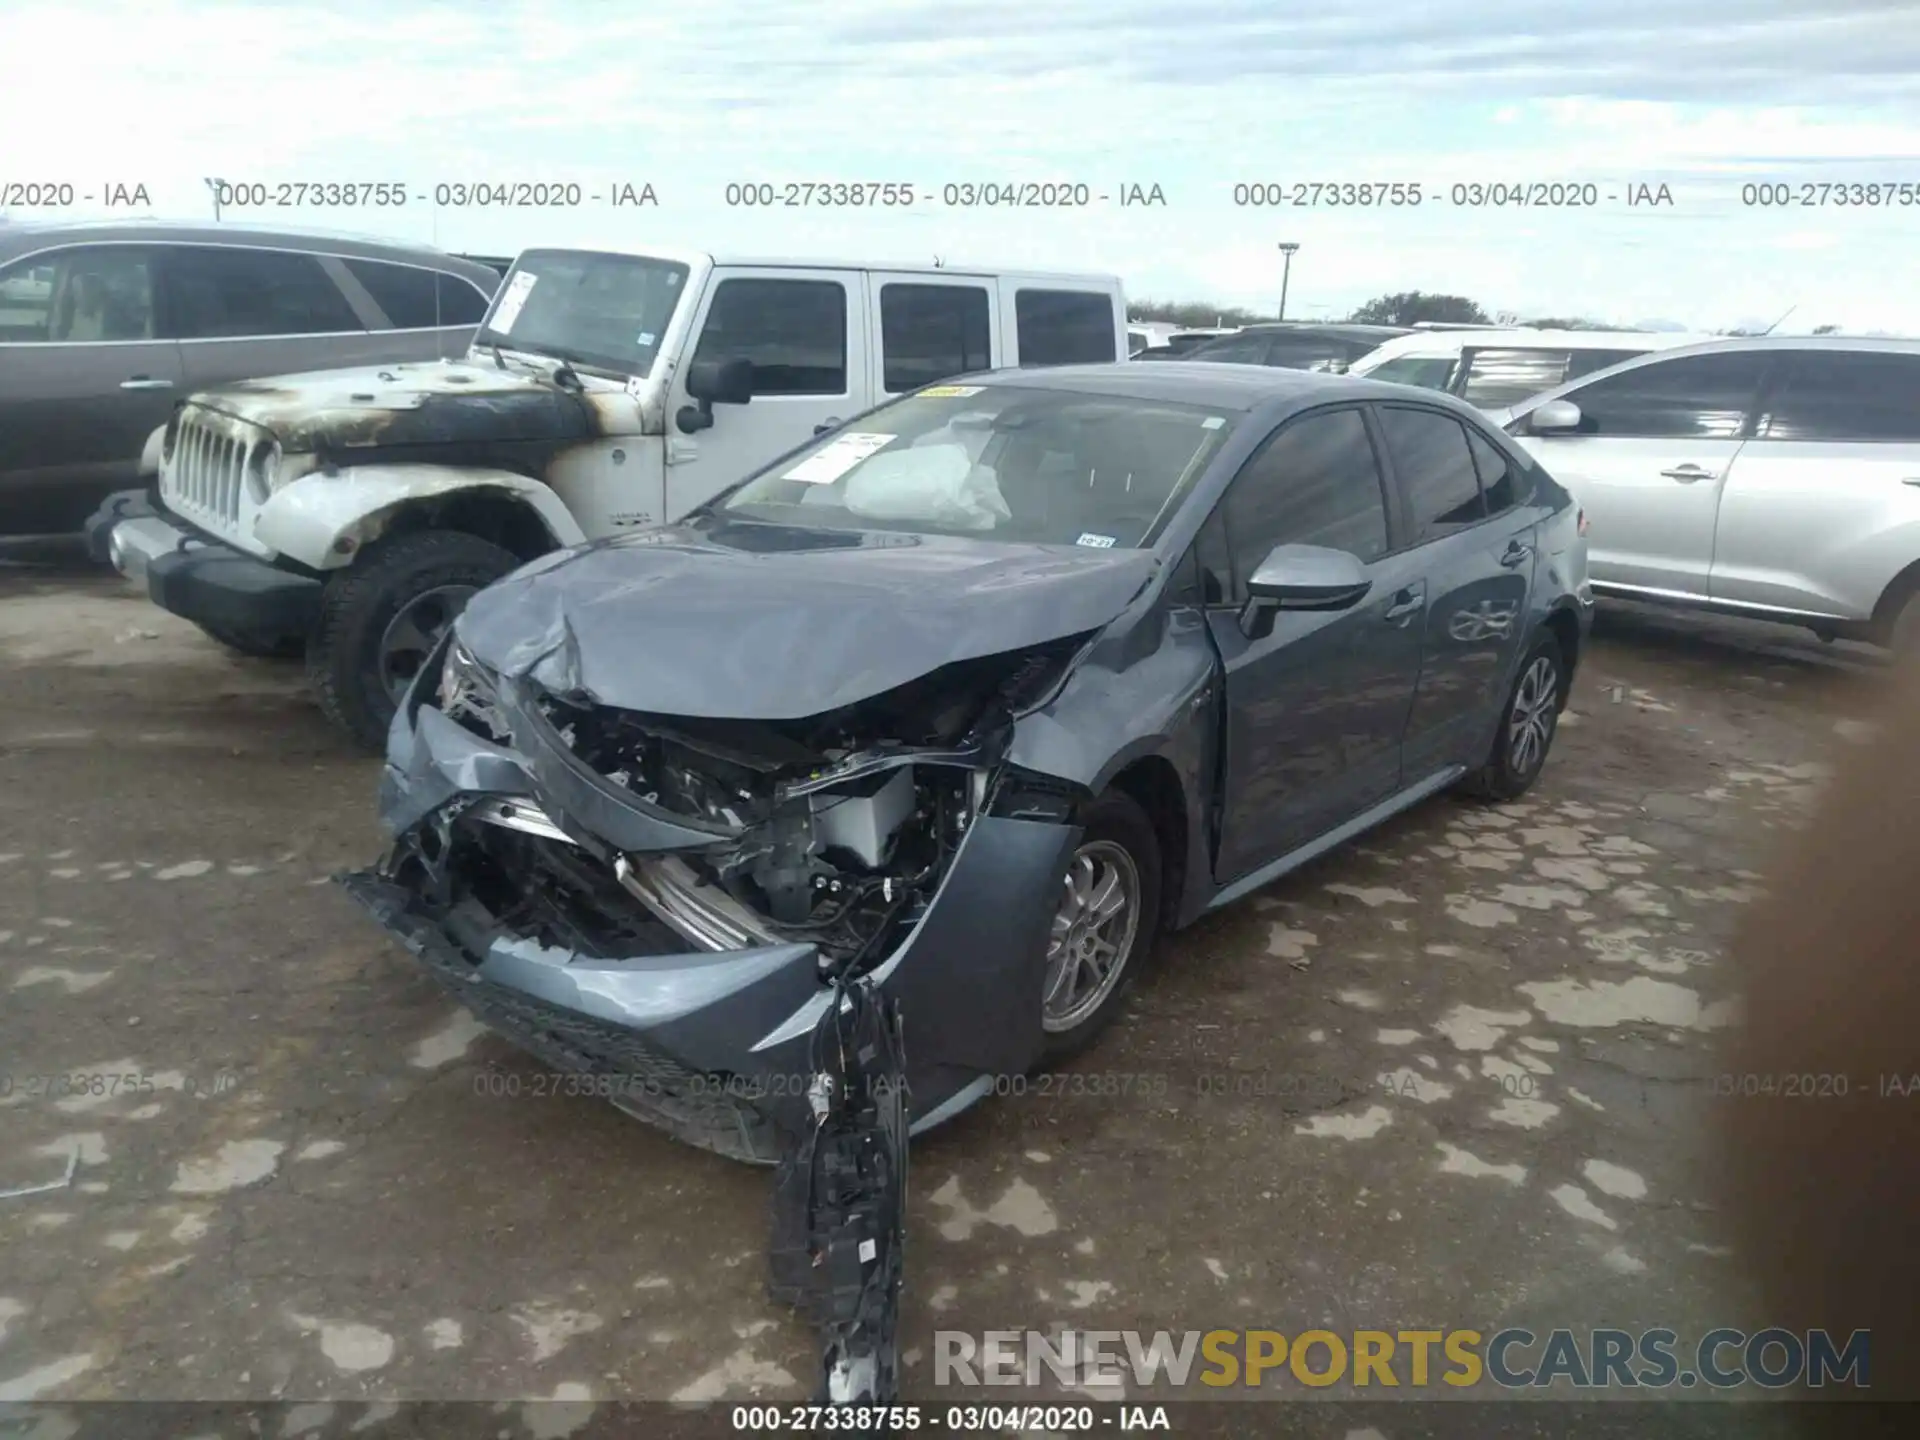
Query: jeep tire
(399, 592)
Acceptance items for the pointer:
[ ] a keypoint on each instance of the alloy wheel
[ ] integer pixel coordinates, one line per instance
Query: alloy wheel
(413, 632)
(1093, 933)
(1535, 708)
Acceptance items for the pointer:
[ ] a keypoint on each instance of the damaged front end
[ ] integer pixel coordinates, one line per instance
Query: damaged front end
(669, 903)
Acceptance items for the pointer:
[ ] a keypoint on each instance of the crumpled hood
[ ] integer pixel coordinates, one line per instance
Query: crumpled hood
(434, 402)
(725, 620)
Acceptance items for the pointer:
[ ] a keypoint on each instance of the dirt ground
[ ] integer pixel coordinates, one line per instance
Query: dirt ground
(1452, 1077)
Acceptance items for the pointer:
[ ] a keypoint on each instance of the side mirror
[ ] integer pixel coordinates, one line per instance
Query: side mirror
(721, 382)
(1556, 417)
(1301, 577)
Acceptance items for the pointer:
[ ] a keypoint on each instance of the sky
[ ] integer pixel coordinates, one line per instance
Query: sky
(1195, 98)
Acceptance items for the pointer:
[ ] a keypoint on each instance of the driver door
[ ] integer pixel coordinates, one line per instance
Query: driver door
(806, 333)
(1316, 708)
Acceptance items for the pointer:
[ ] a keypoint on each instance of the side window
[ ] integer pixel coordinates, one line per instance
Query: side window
(220, 292)
(1304, 353)
(1064, 327)
(1237, 350)
(1314, 482)
(1504, 483)
(460, 302)
(928, 332)
(407, 295)
(91, 293)
(1504, 377)
(1435, 467)
(1847, 395)
(1587, 362)
(1696, 397)
(1429, 372)
(794, 332)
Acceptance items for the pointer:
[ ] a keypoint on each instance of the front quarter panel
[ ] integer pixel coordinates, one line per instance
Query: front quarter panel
(1147, 688)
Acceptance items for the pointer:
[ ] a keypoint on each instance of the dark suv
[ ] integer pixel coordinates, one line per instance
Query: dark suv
(104, 326)
(1297, 347)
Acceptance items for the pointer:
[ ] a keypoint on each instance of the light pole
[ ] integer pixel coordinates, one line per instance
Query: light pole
(213, 188)
(1287, 247)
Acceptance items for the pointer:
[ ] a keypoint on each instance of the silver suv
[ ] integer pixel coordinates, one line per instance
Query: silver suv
(1777, 478)
(103, 327)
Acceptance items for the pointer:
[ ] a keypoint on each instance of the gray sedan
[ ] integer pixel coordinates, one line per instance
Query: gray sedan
(974, 696)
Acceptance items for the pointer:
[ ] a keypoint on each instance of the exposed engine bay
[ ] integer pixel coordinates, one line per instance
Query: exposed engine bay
(832, 830)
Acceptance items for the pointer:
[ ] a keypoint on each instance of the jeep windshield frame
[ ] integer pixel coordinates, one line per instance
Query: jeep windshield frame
(593, 309)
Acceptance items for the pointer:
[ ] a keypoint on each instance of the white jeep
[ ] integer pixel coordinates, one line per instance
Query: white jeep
(349, 514)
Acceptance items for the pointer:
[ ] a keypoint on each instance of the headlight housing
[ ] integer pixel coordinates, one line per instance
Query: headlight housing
(263, 471)
(468, 691)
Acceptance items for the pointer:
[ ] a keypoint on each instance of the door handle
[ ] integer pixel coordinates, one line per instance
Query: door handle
(1405, 605)
(143, 382)
(1687, 474)
(832, 422)
(1911, 480)
(1515, 555)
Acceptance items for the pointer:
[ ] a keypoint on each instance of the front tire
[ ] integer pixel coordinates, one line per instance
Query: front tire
(1528, 723)
(381, 618)
(1104, 928)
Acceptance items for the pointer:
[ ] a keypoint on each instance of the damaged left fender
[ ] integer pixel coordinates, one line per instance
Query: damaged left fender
(312, 518)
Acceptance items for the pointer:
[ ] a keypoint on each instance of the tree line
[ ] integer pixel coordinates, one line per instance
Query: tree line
(1402, 307)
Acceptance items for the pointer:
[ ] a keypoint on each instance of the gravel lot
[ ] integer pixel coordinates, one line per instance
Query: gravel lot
(1455, 1076)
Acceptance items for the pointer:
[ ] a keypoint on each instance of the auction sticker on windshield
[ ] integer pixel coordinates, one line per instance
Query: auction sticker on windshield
(951, 392)
(842, 455)
(512, 302)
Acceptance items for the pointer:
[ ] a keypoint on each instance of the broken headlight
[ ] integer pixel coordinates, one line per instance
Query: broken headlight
(468, 692)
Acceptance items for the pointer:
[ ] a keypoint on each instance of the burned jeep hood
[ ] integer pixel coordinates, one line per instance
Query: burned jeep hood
(764, 622)
(421, 403)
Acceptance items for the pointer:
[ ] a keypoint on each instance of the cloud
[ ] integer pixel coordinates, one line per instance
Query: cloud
(1195, 97)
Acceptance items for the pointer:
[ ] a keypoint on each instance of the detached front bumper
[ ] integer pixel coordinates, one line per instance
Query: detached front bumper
(711, 1044)
(199, 579)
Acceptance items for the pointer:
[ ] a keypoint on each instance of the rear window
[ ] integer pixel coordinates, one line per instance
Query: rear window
(415, 298)
(1496, 378)
(1065, 327)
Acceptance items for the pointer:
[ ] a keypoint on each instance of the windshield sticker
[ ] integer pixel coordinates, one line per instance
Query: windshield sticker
(645, 338)
(1096, 542)
(828, 465)
(512, 302)
(951, 392)
(1213, 422)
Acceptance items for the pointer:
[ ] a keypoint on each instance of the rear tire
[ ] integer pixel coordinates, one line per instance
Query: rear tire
(1903, 630)
(1118, 846)
(1528, 722)
(286, 648)
(388, 607)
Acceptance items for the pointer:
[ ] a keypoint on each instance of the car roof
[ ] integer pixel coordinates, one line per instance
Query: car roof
(1527, 338)
(797, 261)
(1215, 384)
(22, 239)
(1732, 345)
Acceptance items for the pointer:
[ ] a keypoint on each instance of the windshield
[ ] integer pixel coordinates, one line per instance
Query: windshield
(1050, 467)
(604, 312)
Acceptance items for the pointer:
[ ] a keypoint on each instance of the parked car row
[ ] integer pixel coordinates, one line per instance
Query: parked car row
(105, 328)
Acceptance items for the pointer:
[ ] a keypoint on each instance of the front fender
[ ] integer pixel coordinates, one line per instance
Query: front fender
(306, 519)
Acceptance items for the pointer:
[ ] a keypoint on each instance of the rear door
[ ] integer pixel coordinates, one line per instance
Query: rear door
(242, 312)
(1834, 464)
(1474, 539)
(1315, 708)
(1654, 447)
(925, 328)
(86, 374)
